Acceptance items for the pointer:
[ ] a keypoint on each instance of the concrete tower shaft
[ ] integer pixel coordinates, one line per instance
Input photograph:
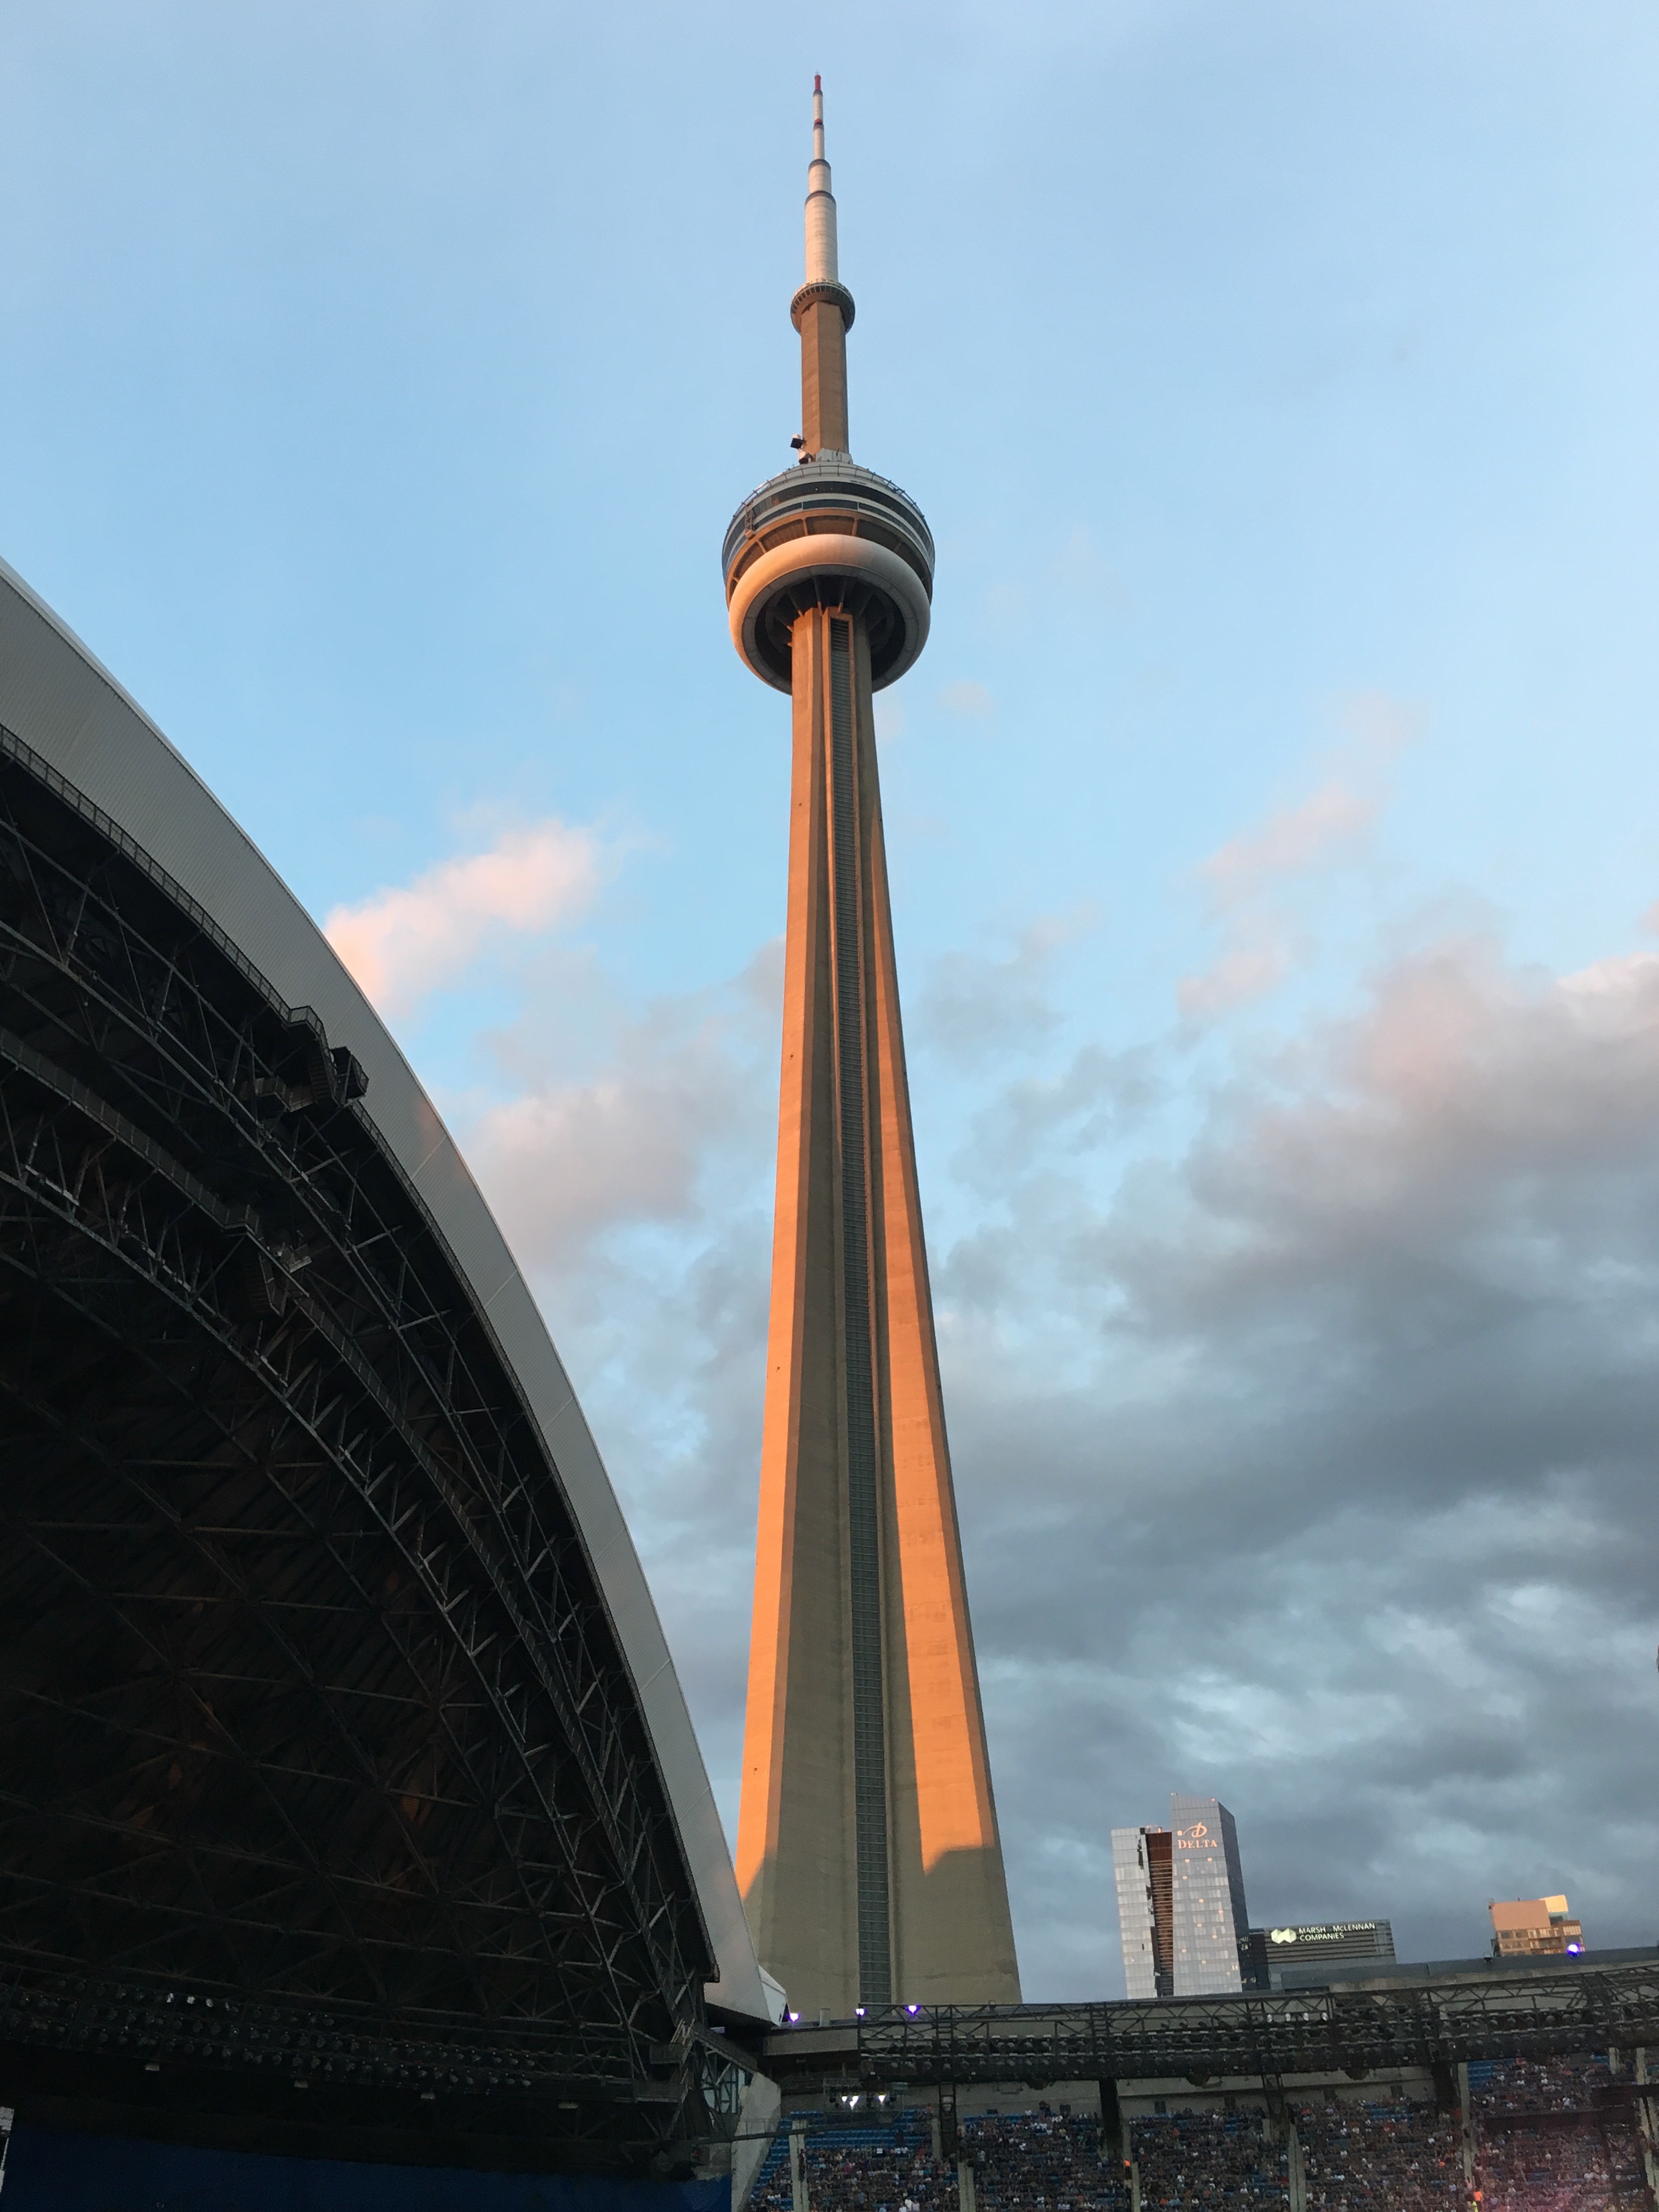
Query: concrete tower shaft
(867, 1850)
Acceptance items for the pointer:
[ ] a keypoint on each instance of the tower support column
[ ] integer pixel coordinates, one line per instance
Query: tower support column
(868, 1848)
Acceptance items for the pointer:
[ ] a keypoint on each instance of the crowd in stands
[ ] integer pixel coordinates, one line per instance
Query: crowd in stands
(1019, 2157)
(1195, 2157)
(1536, 2085)
(1407, 2157)
(1396, 2156)
(1555, 2167)
(1568, 2170)
(850, 2167)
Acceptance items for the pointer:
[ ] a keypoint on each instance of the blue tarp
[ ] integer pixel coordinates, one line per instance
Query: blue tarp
(52, 2172)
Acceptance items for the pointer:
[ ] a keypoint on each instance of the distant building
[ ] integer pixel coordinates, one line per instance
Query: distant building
(1253, 1968)
(1180, 1903)
(1533, 1925)
(1140, 1865)
(1313, 1943)
(1207, 1893)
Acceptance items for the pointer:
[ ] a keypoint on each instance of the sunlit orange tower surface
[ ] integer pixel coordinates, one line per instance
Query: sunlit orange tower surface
(867, 1846)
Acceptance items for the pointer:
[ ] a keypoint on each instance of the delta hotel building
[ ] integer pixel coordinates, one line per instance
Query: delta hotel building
(1185, 1926)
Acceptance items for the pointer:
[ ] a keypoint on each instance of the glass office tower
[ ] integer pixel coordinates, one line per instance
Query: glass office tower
(1141, 1866)
(1180, 1903)
(1208, 1914)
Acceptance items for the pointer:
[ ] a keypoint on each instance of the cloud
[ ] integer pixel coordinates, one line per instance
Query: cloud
(625, 1147)
(570, 1159)
(1469, 1101)
(1289, 841)
(1241, 879)
(972, 1007)
(405, 943)
(1313, 1463)
(1248, 969)
(1097, 1098)
(1381, 725)
(967, 698)
(1301, 1403)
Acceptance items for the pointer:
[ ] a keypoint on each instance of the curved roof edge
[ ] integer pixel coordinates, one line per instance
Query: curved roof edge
(66, 707)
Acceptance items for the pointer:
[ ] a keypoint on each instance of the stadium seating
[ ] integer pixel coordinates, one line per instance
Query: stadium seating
(1544, 2144)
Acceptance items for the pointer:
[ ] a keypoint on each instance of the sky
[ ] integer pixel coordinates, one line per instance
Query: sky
(1273, 820)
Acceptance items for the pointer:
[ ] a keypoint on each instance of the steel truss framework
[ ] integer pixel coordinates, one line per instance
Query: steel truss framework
(1431, 2023)
(308, 1697)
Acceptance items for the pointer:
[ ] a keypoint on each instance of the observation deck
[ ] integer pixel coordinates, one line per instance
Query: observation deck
(828, 533)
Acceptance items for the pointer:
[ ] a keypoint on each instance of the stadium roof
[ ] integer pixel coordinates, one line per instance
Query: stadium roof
(154, 844)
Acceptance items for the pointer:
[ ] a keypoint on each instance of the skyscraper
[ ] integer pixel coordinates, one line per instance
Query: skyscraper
(1182, 1915)
(867, 1845)
(1208, 1915)
(1141, 1866)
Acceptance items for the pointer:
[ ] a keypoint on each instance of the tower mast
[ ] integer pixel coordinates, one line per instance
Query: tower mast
(821, 311)
(867, 1845)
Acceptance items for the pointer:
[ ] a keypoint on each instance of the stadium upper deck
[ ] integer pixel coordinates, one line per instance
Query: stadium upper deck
(1439, 2018)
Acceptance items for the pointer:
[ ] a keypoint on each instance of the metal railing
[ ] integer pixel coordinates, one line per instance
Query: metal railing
(1352, 2031)
(828, 484)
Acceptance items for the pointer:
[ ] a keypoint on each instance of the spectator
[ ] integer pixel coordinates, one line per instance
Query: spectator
(1383, 2157)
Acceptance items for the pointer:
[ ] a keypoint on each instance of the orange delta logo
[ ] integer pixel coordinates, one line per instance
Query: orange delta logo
(1195, 1839)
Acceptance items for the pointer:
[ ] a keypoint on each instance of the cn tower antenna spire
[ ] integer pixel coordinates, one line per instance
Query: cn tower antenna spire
(821, 311)
(868, 1852)
(821, 257)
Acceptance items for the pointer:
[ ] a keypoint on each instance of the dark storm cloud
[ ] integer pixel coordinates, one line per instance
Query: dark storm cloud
(1350, 1517)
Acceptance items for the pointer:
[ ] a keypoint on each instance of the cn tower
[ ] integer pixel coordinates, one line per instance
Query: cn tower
(867, 1845)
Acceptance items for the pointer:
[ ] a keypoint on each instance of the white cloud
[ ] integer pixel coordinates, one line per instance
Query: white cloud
(406, 942)
(968, 698)
(1293, 839)
(1241, 880)
(1258, 958)
(570, 1159)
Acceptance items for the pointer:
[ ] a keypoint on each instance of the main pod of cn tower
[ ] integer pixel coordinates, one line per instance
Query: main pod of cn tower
(867, 1846)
